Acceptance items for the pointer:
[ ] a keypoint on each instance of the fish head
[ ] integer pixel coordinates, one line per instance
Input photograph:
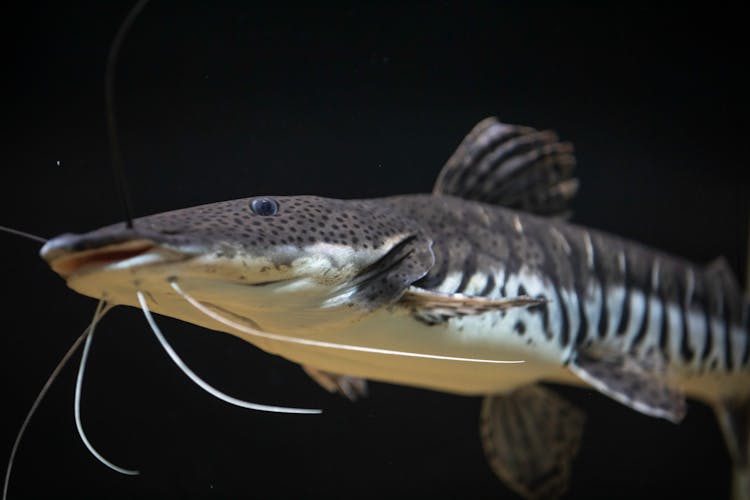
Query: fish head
(283, 263)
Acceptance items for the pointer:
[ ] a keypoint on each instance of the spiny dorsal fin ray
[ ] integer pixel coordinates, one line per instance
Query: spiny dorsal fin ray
(511, 165)
(637, 382)
(530, 437)
(436, 307)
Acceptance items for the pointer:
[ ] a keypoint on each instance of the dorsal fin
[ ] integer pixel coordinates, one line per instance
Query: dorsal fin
(511, 165)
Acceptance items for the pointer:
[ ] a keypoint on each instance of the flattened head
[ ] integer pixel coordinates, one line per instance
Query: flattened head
(338, 247)
(278, 229)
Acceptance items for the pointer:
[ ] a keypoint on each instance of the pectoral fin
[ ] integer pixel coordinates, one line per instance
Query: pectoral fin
(384, 281)
(435, 307)
(530, 437)
(638, 383)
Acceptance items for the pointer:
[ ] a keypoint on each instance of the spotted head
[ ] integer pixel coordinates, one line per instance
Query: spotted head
(281, 260)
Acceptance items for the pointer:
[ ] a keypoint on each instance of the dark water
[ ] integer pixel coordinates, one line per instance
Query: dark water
(219, 100)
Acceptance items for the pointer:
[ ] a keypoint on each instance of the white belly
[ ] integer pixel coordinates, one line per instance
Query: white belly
(396, 330)
(399, 331)
(296, 311)
(482, 336)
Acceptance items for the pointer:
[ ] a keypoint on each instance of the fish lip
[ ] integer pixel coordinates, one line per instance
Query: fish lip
(66, 260)
(70, 243)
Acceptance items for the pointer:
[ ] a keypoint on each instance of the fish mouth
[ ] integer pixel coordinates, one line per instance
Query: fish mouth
(68, 255)
(69, 262)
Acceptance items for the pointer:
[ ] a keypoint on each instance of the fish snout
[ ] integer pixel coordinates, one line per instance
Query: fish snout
(69, 253)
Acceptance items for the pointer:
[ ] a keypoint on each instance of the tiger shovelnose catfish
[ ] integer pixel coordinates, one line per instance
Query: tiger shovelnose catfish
(484, 268)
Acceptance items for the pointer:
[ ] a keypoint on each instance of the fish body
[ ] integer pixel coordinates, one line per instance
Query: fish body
(483, 268)
(600, 291)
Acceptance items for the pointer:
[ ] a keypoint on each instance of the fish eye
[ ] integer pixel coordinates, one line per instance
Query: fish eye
(264, 206)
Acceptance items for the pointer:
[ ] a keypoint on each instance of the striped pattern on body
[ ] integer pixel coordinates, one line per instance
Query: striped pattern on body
(601, 289)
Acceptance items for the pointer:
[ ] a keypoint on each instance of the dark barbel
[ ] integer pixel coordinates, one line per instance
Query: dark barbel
(109, 92)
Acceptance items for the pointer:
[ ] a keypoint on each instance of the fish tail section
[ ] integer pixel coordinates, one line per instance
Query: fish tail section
(734, 421)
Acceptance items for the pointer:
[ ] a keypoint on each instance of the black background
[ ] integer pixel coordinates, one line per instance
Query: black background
(221, 100)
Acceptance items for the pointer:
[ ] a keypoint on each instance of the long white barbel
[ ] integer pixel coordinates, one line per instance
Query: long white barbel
(317, 343)
(203, 384)
(37, 401)
(101, 310)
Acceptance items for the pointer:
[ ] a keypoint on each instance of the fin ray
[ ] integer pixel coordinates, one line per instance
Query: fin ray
(352, 388)
(638, 383)
(511, 165)
(384, 281)
(530, 437)
(435, 307)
